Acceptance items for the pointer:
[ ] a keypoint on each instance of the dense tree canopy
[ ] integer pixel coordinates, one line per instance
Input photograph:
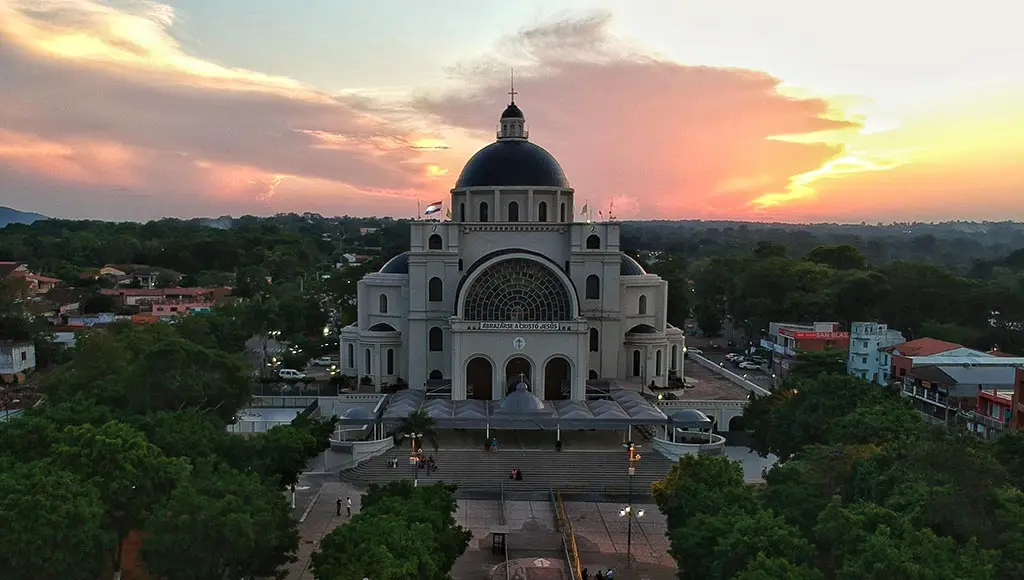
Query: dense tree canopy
(400, 532)
(864, 489)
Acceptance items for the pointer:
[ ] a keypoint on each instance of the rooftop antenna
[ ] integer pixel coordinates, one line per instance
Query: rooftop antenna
(512, 86)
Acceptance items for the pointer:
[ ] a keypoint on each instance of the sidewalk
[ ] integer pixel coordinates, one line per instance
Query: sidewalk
(319, 520)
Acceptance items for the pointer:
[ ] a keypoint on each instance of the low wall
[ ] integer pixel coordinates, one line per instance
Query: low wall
(282, 402)
(729, 375)
(674, 451)
(360, 451)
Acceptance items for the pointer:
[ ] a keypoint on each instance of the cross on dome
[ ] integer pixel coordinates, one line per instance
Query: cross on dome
(513, 123)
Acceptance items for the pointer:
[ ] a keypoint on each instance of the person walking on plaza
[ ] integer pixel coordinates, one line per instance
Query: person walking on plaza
(348, 506)
(338, 512)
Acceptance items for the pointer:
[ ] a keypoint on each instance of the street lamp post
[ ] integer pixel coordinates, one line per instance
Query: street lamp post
(413, 458)
(627, 512)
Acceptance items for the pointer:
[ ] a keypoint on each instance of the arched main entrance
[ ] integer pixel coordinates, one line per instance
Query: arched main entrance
(479, 378)
(516, 370)
(557, 379)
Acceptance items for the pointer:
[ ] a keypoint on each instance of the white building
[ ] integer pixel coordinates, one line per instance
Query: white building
(16, 358)
(512, 290)
(867, 359)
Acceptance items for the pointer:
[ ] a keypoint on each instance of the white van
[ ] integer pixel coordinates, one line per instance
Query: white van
(291, 375)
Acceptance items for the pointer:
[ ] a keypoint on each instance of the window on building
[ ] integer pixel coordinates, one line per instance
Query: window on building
(435, 339)
(382, 303)
(351, 356)
(436, 375)
(391, 361)
(636, 363)
(561, 212)
(864, 360)
(865, 344)
(368, 362)
(595, 340)
(641, 306)
(435, 290)
(657, 362)
(593, 242)
(672, 365)
(484, 216)
(542, 211)
(593, 289)
(462, 212)
(434, 242)
(24, 356)
(513, 211)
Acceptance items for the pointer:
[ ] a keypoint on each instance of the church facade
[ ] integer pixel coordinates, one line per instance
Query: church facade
(512, 290)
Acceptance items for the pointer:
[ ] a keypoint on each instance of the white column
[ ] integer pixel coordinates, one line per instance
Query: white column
(457, 366)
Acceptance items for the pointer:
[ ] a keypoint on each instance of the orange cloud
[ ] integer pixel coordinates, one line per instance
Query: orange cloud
(659, 138)
(114, 86)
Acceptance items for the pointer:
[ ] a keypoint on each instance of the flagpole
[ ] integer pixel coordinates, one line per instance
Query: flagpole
(419, 212)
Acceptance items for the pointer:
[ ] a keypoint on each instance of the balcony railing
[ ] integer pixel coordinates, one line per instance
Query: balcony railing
(992, 422)
(925, 395)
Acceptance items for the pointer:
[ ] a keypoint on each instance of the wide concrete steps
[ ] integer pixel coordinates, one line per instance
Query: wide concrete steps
(599, 472)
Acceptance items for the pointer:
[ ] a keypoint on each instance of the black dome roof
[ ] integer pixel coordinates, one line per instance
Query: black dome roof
(512, 112)
(630, 267)
(397, 265)
(512, 163)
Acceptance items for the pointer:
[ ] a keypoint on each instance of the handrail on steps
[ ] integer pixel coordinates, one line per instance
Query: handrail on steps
(572, 556)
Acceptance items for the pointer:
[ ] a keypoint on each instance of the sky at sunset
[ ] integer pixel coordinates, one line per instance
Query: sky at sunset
(790, 110)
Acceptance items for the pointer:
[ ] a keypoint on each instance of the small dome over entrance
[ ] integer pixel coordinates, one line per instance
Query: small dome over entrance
(521, 400)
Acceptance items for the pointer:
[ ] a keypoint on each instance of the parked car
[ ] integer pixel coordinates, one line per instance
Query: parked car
(291, 375)
(324, 361)
(749, 366)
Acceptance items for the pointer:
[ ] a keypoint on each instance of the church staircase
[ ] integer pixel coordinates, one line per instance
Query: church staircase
(584, 472)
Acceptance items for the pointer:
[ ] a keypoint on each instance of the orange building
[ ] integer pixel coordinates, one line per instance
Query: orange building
(786, 340)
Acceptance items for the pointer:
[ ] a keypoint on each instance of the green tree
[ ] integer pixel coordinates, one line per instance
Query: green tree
(282, 453)
(701, 484)
(52, 524)
(718, 546)
(221, 523)
(811, 363)
(401, 532)
(130, 474)
(765, 568)
(844, 257)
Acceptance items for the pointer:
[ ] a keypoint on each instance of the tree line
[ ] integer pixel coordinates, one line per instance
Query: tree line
(863, 490)
(131, 442)
(836, 283)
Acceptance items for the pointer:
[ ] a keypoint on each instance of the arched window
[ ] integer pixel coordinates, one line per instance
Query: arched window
(434, 242)
(435, 290)
(641, 306)
(542, 211)
(561, 213)
(593, 374)
(593, 242)
(513, 211)
(436, 375)
(636, 363)
(351, 358)
(593, 290)
(391, 361)
(657, 362)
(675, 354)
(383, 303)
(518, 290)
(595, 340)
(435, 339)
(483, 212)
(462, 212)
(369, 362)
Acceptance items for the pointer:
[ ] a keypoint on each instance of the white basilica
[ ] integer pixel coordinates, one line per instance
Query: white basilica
(512, 290)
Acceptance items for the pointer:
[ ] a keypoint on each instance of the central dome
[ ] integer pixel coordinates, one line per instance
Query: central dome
(512, 163)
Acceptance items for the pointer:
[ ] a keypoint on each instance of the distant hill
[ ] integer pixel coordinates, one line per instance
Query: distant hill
(12, 216)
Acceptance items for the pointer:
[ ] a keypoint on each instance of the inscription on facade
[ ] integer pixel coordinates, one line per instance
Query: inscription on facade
(517, 326)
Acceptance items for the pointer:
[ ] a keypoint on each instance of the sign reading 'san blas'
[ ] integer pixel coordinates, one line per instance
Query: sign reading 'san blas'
(517, 326)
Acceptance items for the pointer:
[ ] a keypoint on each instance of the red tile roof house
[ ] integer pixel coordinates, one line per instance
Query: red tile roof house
(35, 284)
(149, 296)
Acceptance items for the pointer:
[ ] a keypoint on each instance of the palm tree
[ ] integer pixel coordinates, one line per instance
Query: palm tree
(419, 423)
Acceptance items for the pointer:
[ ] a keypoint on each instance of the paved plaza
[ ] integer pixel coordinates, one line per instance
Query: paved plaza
(600, 534)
